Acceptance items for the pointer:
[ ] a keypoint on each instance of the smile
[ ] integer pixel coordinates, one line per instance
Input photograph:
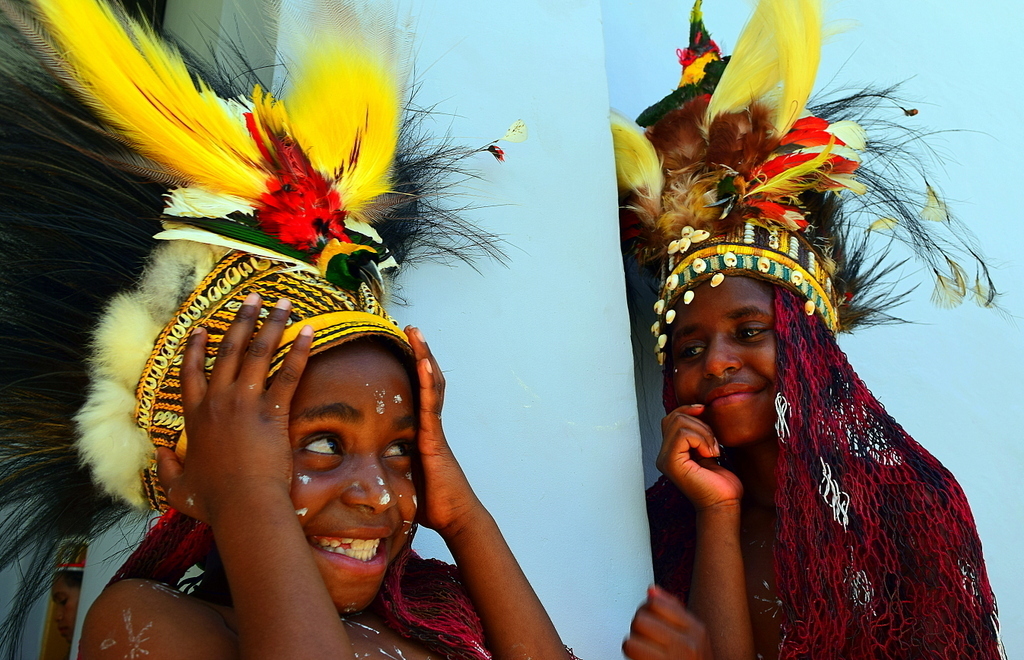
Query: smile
(736, 397)
(361, 549)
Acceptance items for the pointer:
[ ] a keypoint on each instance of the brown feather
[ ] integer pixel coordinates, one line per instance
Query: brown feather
(741, 140)
(678, 137)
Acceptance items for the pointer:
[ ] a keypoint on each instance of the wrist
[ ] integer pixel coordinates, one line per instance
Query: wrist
(724, 510)
(234, 499)
(469, 519)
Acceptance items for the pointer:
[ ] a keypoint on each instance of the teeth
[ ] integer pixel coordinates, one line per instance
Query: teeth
(361, 549)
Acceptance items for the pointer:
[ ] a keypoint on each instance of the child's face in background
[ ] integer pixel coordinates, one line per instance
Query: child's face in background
(65, 606)
(723, 354)
(353, 435)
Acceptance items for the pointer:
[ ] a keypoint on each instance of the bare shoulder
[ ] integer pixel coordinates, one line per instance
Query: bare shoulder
(143, 618)
(372, 638)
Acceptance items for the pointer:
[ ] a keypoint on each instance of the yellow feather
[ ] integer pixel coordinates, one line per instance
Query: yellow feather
(788, 183)
(946, 294)
(775, 61)
(883, 224)
(637, 166)
(934, 208)
(140, 87)
(343, 110)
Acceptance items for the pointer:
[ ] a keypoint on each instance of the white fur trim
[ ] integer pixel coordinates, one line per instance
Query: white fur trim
(110, 442)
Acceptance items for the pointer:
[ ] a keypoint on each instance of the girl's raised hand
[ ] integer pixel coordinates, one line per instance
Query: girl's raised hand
(448, 502)
(687, 457)
(236, 425)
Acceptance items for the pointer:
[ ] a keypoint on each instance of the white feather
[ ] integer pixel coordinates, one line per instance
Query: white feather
(110, 442)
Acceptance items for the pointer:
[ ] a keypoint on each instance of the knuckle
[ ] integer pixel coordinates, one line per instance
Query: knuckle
(259, 348)
(287, 375)
(227, 348)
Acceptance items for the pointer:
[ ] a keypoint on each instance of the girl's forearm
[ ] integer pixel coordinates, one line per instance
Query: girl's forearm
(718, 592)
(516, 626)
(282, 605)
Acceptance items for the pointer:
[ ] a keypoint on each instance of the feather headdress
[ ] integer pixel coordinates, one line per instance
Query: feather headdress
(142, 169)
(735, 173)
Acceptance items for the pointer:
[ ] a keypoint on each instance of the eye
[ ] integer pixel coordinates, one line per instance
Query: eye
(323, 445)
(399, 449)
(751, 331)
(689, 351)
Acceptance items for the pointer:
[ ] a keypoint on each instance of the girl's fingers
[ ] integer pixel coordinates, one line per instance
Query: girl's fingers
(637, 647)
(649, 626)
(279, 394)
(256, 363)
(430, 406)
(421, 351)
(682, 432)
(169, 470)
(669, 609)
(235, 342)
(193, 372)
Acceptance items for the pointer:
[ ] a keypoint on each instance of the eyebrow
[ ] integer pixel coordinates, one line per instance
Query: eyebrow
(736, 314)
(346, 413)
(749, 310)
(339, 411)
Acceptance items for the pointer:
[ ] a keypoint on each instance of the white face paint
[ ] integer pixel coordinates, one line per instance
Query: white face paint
(380, 481)
(398, 398)
(106, 644)
(304, 478)
(414, 503)
(301, 512)
(379, 396)
(385, 497)
(408, 475)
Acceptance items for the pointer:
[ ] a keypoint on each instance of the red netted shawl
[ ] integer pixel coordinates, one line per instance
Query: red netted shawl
(876, 553)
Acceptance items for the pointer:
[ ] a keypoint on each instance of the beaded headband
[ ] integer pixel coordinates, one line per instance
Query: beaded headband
(751, 250)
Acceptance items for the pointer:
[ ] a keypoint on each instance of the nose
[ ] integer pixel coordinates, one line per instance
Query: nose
(366, 486)
(721, 358)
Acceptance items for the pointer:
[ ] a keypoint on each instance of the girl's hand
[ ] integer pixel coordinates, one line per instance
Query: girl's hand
(447, 500)
(237, 426)
(687, 457)
(664, 630)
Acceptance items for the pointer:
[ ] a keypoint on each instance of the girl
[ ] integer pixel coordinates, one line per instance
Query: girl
(796, 518)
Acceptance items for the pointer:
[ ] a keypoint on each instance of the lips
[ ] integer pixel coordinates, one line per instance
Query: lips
(360, 549)
(730, 393)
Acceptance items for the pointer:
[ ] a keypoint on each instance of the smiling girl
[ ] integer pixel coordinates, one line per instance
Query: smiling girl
(291, 449)
(795, 517)
(342, 456)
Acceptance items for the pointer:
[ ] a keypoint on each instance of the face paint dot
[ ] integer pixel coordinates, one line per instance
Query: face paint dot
(304, 478)
(380, 481)
(408, 475)
(398, 398)
(385, 498)
(301, 512)
(380, 394)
